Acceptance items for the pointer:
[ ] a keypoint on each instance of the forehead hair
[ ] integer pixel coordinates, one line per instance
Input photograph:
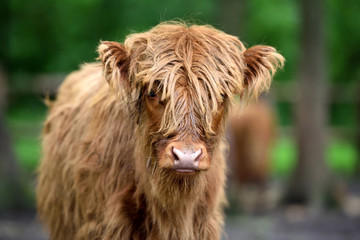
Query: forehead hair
(193, 66)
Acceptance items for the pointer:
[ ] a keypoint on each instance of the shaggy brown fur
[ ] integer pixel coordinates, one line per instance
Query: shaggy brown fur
(107, 170)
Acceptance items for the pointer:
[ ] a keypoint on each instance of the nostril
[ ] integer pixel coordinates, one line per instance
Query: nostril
(198, 155)
(176, 157)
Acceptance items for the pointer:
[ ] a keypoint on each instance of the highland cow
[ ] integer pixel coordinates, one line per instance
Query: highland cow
(251, 134)
(133, 146)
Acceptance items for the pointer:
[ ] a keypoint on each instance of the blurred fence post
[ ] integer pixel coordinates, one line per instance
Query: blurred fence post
(309, 178)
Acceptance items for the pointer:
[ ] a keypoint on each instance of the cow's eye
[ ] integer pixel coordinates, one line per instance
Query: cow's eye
(152, 94)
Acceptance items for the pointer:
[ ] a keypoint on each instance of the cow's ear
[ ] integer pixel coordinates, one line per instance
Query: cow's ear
(115, 60)
(261, 64)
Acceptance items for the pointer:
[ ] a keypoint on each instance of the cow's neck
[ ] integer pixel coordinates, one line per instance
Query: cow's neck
(178, 221)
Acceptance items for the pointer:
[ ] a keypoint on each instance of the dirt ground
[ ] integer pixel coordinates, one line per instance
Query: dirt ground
(282, 225)
(289, 224)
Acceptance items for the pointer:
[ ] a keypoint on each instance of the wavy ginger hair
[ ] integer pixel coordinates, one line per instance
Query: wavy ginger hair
(215, 65)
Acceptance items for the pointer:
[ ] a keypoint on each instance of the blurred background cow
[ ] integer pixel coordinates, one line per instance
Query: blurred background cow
(251, 133)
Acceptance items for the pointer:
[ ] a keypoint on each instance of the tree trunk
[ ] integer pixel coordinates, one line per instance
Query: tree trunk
(309, 178)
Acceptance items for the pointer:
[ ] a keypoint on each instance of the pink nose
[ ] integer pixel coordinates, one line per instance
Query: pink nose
(186, 160)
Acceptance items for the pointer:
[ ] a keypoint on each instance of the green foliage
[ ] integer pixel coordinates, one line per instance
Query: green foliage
(340, 157)
(283, 157)
(56, 36)
(344, 36)
(343, 114)
(25, 117)
(275, 23)
(285, 113)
